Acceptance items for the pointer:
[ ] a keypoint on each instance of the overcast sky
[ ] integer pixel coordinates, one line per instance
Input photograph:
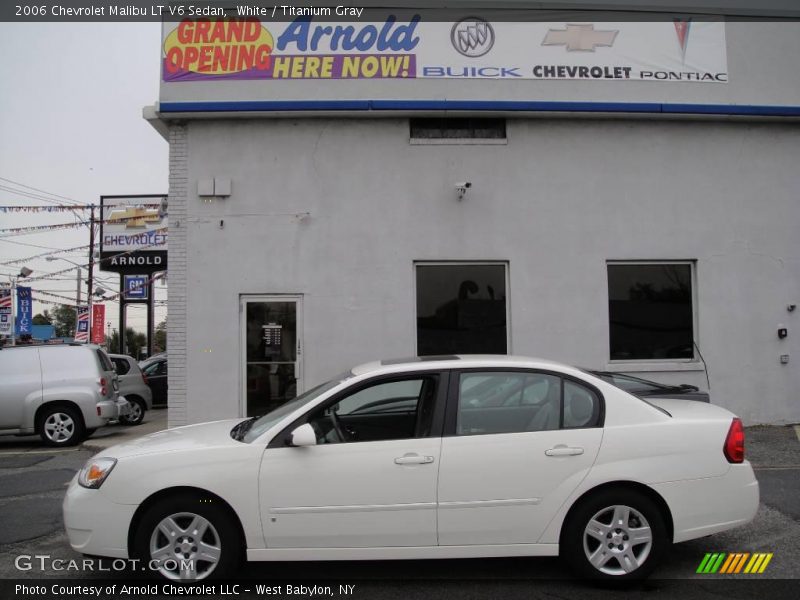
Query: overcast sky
(71, 124)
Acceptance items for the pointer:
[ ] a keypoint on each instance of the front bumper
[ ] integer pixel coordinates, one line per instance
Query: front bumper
(95, 525)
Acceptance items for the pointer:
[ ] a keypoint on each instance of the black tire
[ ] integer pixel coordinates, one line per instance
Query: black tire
(61, 426)
(137, 414)
(619, 558)
(223, 534)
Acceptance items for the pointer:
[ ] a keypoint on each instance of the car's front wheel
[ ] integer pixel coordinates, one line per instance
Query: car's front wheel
(189, 538)
(615, 535)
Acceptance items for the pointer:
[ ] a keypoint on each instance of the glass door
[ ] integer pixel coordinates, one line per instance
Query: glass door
(272, 364)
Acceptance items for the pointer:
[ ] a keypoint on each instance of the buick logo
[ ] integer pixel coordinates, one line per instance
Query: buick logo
(472, 37)
(580, 38)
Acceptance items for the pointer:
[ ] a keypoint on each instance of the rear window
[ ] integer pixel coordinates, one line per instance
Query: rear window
(105, 362)
(121, 365)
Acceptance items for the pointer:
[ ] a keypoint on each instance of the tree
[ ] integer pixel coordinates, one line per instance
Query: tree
(63, 318)
(160, 337)
(134, 342)
(43, 318)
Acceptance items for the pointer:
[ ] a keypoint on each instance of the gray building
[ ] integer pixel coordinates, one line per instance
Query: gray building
(619, 220)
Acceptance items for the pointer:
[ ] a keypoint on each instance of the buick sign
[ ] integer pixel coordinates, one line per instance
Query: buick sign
(472, 37)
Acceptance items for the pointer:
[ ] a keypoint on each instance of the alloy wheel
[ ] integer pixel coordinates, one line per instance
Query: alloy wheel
(617, 540)
(59, 427)
(185, 546)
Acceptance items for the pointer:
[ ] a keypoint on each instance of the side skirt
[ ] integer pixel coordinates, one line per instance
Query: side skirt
(402, 553)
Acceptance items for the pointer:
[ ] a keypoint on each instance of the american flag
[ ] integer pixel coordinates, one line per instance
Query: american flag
(82, 332)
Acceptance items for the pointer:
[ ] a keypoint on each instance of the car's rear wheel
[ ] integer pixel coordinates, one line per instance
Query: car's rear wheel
(136, 416)
(61, 426)
(615, 535)
(189, 538)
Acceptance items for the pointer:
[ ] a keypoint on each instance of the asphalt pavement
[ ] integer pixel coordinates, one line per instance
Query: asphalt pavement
(33, 479)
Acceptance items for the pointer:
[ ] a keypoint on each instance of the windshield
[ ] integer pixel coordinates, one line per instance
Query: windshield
(262, 424)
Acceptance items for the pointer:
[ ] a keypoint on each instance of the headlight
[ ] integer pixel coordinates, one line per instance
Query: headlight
(94, 472)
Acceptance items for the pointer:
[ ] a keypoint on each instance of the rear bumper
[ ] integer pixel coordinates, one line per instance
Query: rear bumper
(702, 507)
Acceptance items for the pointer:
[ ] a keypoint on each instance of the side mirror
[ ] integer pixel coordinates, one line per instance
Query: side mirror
(303, 436)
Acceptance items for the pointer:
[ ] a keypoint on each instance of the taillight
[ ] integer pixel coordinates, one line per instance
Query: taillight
(103, 388)
(144, 377)
(734, 443)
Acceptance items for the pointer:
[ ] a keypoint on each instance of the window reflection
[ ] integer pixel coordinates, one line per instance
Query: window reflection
(461, 309)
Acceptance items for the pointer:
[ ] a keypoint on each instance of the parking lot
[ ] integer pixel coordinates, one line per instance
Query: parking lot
(33, 478)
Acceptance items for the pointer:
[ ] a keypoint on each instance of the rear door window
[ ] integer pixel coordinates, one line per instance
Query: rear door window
(121, 365)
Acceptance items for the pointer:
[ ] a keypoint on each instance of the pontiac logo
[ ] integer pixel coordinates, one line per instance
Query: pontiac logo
(579, 38)
(472, 37)
(134, 217)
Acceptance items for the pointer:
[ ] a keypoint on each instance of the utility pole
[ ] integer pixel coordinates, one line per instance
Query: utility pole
(90, 282)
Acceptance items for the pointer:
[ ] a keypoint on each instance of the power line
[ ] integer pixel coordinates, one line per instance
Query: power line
(69, 200)
(26, 244)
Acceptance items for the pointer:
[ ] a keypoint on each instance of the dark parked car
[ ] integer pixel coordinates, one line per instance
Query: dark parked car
(652, 389)
(155, 374)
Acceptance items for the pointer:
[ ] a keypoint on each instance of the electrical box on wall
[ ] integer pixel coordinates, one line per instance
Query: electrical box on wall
(219, 187)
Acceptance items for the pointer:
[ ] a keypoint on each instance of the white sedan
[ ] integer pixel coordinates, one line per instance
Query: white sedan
(444, 457)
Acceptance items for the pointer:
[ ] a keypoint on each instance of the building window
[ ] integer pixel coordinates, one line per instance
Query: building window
(651, 311)
(461, 309)
(458, 129)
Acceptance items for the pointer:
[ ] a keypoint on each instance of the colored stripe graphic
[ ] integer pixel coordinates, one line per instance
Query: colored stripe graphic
(733, 563)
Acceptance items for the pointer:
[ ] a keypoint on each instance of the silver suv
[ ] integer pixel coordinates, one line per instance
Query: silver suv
(62, 392)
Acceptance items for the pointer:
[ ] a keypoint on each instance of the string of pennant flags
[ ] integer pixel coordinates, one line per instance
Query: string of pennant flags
(17, 261)
(57, 208)
(11, 231)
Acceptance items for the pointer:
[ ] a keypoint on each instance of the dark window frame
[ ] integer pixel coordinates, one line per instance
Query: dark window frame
(505, 264)
(692, 265)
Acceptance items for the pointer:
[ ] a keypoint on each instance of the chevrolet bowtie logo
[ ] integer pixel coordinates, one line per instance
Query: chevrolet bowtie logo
(579, 38)
(134, 217)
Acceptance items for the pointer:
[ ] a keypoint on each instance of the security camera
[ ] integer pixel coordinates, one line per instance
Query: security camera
(462, 187)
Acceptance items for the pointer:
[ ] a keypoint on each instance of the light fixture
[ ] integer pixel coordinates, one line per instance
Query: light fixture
(25, 272)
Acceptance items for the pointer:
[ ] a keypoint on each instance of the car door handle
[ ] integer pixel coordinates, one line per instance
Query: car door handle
(563, 451)
(413, 459)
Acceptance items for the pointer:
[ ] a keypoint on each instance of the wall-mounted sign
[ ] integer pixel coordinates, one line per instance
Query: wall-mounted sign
(245, 48)
(136, 287)
(133, 233)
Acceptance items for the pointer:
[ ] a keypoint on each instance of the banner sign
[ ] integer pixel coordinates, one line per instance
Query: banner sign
(82, 328)
(5, 310)
(136, 287)
(98, 319)
(24, 311)
(133, 233)
(245, 48)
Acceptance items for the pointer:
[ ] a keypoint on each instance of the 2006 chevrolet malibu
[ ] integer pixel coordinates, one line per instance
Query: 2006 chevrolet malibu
(445, 457)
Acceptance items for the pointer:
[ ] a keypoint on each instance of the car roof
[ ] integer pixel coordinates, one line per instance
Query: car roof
(461, 361)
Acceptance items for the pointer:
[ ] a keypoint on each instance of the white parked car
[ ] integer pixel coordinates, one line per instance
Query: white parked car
(444, 457)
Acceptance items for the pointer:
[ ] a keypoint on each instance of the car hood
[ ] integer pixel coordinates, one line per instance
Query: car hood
(189, 437)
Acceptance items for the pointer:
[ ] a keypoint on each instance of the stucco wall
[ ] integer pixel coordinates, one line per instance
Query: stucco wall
(558, 201)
